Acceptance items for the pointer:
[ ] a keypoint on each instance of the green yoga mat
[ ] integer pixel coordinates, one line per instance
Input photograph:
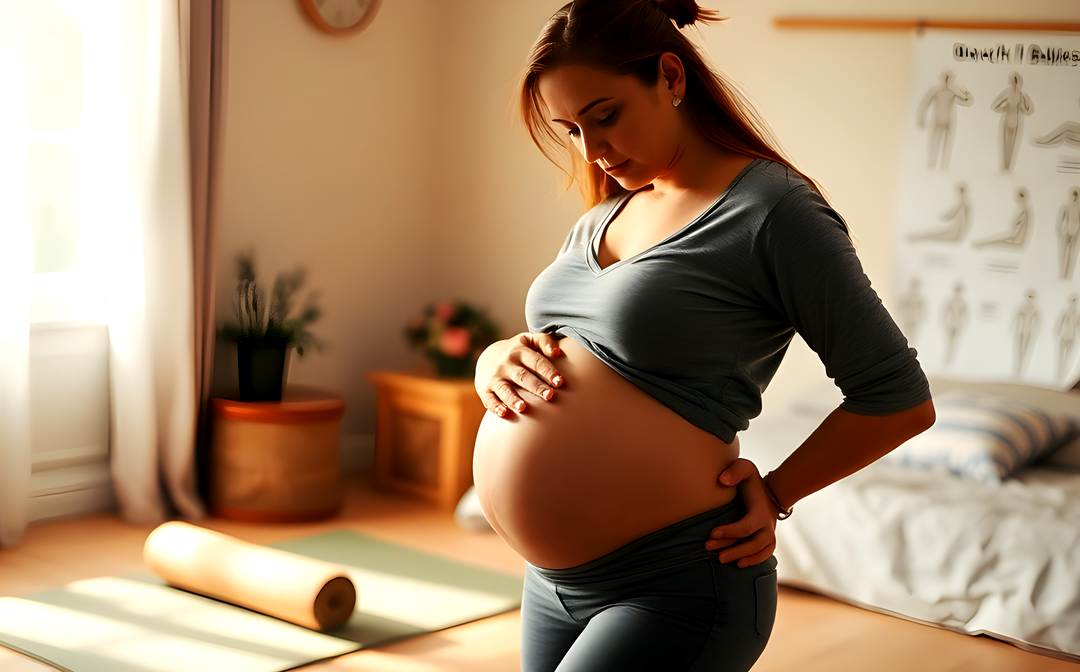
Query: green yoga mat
(139, 624)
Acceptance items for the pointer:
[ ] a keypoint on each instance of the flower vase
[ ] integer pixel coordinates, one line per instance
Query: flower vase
(261, 371)
(453, 367)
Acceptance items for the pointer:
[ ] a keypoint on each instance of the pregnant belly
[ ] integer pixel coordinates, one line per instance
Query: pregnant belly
(601, 464)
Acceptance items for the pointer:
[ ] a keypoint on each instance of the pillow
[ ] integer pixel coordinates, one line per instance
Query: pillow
(984, 437)
(1066, 455)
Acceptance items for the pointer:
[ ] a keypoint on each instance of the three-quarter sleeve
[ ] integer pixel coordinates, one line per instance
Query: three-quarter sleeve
(809, 273)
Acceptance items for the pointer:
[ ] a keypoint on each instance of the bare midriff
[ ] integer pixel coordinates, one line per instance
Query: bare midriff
(598, 466)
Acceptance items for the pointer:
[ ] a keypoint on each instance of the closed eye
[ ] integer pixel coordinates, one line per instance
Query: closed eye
(606, 120)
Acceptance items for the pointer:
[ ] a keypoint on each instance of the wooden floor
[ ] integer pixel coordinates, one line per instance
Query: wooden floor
(812, 633)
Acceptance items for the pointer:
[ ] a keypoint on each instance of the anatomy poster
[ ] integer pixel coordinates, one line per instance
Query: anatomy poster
(988, 207)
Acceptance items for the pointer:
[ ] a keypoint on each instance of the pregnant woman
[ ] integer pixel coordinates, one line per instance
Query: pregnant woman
(610, 458)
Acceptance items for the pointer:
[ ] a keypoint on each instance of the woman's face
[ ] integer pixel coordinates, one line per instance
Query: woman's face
(629, 129)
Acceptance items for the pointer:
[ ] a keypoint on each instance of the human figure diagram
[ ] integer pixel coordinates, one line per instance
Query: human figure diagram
(1067, 133)
(958, 219)
(1015, 238)
(1012, 103)
(1025, 326)
(1067, 329)
(941, 102)
(910, 310)
(954, 317)
(1068, 232)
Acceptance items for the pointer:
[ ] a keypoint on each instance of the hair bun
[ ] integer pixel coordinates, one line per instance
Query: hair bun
(682, 12)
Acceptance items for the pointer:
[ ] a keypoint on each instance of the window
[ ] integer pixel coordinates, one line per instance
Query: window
(51, 53)
(49, 148)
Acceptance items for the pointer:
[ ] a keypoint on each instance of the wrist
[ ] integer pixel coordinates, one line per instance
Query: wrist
(783, 511)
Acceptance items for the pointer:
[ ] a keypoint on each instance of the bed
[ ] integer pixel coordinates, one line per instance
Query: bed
(926, 542)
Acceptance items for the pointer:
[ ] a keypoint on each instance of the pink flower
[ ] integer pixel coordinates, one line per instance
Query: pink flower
(455, 342)
(444, 311)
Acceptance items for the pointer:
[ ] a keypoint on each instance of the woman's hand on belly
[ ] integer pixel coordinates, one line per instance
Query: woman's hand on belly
(598, 466)
(751, 539)
(521, 362)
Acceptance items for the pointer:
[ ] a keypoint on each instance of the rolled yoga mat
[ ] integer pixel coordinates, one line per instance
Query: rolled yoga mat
(305, 591)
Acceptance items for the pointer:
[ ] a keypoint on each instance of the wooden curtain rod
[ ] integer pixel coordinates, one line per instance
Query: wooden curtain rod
(915, 24)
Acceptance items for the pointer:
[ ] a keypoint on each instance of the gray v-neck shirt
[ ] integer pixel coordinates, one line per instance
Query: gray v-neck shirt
(701, 320)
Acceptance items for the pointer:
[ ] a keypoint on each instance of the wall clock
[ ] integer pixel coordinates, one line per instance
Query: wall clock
(341, 17)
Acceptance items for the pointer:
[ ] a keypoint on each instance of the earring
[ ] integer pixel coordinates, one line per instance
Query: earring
(675, 101)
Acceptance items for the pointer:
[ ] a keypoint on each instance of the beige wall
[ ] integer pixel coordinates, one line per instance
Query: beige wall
(391, 165)
(328, 162)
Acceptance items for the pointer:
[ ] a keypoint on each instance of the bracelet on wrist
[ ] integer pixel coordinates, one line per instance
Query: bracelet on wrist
(784, 513)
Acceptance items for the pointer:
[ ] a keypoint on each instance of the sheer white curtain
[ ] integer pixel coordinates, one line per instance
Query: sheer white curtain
(135, 212)
(15, 268)
(137, 188)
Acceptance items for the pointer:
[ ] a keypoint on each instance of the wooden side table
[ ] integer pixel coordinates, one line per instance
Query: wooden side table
(277, 461)
(424, 434)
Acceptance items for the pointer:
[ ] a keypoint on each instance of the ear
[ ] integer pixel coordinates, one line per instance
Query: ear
(672, 75)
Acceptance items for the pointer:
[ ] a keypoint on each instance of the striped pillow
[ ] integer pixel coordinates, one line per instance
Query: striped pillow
(984, 437)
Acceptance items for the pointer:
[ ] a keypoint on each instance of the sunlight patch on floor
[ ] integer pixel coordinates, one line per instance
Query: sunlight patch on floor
(138, 626)
(395, 597)
(188, 613)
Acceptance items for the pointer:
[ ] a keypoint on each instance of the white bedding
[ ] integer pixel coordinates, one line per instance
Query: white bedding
(976, 558)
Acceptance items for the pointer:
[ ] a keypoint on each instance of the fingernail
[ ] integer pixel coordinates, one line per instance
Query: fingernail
(546, 394)
(500, 411)
(557, 380)
(519, 406)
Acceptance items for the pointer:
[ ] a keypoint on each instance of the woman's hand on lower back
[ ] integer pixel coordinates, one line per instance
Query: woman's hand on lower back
(521, 362)
(751, 539)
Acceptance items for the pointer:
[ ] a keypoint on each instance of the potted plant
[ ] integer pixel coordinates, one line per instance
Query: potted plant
(265, 333)
(451, 334)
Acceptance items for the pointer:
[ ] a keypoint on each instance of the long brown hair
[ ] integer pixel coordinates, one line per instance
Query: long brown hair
(627, 37)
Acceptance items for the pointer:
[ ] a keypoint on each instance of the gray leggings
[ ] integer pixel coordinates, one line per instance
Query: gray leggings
(661, 603)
